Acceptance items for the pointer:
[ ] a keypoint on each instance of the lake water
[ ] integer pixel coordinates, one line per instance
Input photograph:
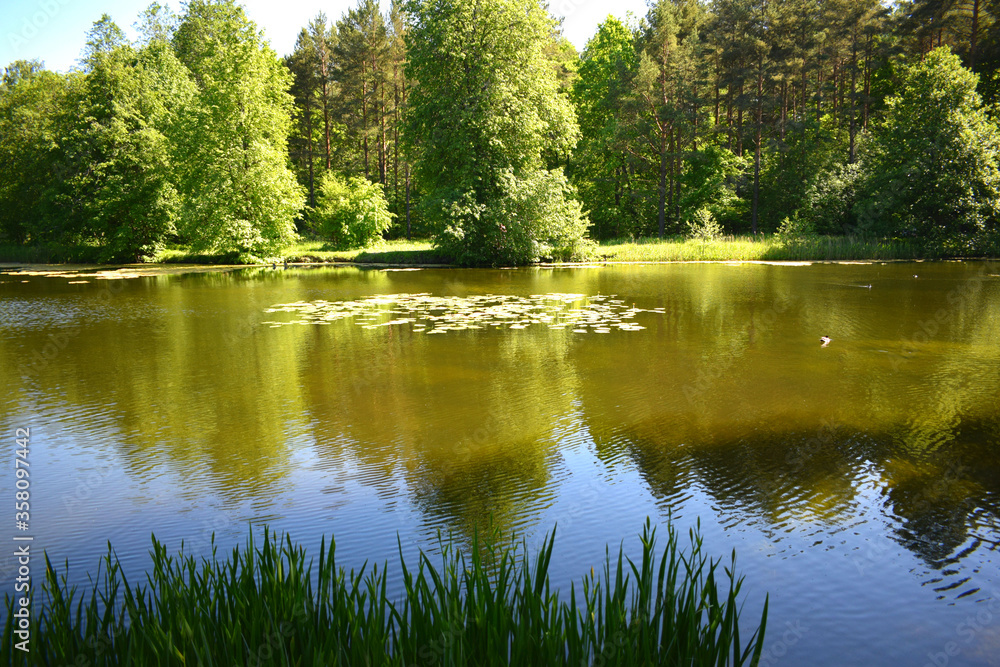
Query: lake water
(859, 483)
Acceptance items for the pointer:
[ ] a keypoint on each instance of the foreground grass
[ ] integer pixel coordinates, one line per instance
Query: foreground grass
(492, 606)
(760, 248)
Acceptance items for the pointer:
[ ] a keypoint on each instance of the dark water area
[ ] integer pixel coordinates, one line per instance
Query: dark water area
(858, 482)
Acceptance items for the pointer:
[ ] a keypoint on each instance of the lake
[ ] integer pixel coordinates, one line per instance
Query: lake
(858, 482)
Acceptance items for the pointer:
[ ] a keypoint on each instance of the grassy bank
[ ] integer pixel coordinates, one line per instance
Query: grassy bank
(761, 248)
(422, 252)
(490, 606)
(398, 251)
(318, 252)
(387, 252)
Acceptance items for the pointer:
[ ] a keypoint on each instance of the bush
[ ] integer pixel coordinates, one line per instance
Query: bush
(352, 213)
(533, 217)
(830, 200)
(703, 226)
(933, 164)
(795, 230)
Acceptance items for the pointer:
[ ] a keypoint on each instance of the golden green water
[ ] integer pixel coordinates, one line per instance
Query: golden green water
(857, 481)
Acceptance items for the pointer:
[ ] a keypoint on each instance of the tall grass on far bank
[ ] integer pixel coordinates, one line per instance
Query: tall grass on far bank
(398, 251)
(491, 606)
(674, 249)
(761, 248)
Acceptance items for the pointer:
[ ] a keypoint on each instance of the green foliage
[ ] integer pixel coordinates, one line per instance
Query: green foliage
(125, 191)
(664, 94)
(706, 181)
(794, 230)
(790, 168)
(352, 213)
(103, 38)
(34, 111)
(150, 141)
(702, 226)
(603, 165)
(932, 165)
(829, 202)
(753, 111)
(484, 110)
(238, 193)
(362, 56)
(527, 219)
(316, 135)
(490, 605)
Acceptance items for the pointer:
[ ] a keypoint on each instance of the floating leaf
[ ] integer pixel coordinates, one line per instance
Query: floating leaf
(425, 313)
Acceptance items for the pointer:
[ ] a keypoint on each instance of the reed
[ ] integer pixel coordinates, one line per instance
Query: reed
(489, 605)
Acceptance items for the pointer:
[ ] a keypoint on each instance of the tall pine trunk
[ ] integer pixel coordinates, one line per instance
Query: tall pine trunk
(663, 183)
(756, 151)
(852, 153)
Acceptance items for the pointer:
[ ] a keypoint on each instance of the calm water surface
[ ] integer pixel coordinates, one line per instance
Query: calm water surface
(859, 483)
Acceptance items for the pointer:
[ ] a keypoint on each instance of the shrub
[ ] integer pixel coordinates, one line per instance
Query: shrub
(829, 201)
(933, 164)
(351, 213)
(534, 217)
(703, 226)
(795, 230)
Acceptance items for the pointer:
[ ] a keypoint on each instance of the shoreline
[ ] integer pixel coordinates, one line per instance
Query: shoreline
(171, 268)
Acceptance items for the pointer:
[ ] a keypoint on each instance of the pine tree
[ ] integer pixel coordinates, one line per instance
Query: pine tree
(314, 90)
(362, 58)
(604, 166)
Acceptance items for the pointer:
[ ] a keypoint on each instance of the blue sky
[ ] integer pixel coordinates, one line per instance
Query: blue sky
(54, 30)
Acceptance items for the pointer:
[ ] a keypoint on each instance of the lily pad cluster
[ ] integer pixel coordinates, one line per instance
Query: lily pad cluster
(425, 313)
(82, 275)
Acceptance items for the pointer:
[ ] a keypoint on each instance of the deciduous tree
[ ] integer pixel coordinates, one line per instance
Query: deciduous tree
(484, 107)
(238, 193)
(932, 164)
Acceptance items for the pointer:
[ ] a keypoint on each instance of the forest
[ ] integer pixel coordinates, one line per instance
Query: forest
(478, 125)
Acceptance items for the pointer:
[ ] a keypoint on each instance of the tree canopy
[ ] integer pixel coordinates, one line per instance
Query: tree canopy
(933, 160)
(239, 193)
(484, 112)
(485, 130)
